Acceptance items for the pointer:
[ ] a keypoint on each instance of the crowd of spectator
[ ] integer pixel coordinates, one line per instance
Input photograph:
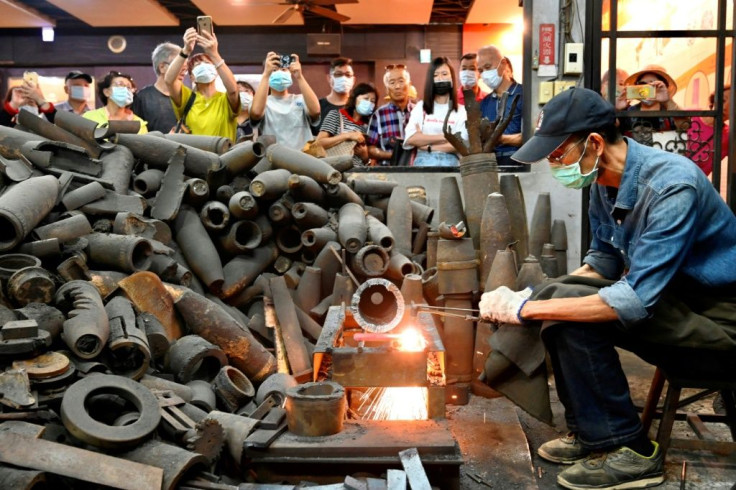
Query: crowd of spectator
(393, 125)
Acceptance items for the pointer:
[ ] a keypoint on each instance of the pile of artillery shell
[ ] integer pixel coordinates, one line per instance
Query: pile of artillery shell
(138, 278)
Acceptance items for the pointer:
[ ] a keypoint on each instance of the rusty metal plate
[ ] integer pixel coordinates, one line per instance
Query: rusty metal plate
(39, 454)
(376, 367)
(44, 366)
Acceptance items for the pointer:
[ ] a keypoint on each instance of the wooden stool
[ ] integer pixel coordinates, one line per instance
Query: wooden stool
(669, 412)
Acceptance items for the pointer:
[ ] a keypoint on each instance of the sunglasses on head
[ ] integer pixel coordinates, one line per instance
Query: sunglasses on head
(391, 67)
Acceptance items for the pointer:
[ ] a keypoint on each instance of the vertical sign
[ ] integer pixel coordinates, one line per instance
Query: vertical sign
(546, 44)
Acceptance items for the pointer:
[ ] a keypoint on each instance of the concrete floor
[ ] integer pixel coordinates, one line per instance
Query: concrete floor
(499, 441)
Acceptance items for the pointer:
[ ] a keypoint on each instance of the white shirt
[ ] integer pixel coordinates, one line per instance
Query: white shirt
(288, 120)
(432, 123)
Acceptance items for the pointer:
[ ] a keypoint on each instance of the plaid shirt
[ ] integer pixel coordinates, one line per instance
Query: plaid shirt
(387, 125)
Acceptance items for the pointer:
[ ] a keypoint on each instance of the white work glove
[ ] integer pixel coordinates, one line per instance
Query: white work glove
(503, 305)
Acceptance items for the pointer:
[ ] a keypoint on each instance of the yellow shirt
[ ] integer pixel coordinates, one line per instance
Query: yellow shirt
(100, 117)
(208, 116)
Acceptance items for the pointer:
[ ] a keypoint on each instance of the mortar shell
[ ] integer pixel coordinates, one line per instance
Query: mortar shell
(511, 190)
(23, 206)
(215, 216)
(242, 157)
(123, 252)
(495, 232)
(352, 229)
(298, 162)
(243, 205)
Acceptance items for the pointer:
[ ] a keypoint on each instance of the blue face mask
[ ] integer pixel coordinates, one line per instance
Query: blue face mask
(365, 107)
(571, 176)
(121, 96)
(280, 80)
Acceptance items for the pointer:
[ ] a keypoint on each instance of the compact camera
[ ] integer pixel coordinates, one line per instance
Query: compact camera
(640, 92)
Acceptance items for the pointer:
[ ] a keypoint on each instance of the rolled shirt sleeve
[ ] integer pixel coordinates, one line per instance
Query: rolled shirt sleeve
(667, 232)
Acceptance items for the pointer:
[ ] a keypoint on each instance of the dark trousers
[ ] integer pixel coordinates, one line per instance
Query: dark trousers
(589, 378)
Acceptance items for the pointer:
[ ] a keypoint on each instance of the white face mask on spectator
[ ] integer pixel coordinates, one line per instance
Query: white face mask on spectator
(245, 100)
(79, 92)
(342, 85)
(204, 73)
(468, 78)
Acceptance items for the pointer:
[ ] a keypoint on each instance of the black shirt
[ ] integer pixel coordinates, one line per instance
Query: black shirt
(155, 108)
(325, 107)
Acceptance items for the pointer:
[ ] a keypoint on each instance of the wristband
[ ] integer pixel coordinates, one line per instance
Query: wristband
(518, 312)
(183, 54)
(219, 64)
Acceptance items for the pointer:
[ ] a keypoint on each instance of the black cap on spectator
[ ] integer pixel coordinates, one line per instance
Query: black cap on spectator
(75, 74)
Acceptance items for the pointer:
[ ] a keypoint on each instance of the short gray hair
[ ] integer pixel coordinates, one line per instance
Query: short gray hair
(406, 75)
(163, 53)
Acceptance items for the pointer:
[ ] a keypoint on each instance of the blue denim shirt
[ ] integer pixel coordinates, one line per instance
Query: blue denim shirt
(666, 222)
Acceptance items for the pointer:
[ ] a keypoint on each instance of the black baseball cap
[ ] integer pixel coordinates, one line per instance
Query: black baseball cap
(75, 74)
(574, 110)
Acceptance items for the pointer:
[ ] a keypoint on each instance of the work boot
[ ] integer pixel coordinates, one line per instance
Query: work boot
(565, 450)
(622, 468)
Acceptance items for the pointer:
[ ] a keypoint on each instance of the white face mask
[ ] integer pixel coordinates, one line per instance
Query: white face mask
(79, 92)
(342, 85)
(245, 100)
(468, 78)
(492, 78)
(204, 73)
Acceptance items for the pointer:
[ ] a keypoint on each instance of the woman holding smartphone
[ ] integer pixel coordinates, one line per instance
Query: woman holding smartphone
(204, 110)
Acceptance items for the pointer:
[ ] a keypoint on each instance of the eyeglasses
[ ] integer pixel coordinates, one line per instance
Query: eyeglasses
(558, 159)
(398, 67)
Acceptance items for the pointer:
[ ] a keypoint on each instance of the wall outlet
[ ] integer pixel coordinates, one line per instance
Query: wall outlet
(561, 85)
(573, 64)
(546, 91)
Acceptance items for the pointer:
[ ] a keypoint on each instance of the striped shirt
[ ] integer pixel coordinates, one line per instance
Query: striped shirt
(338, 122)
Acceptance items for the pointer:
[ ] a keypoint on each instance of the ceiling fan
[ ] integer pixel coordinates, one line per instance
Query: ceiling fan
(313, 6)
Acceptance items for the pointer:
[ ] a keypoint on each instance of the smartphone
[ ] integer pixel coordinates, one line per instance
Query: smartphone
(640, 92)
(31, 77)
(286, 60)
(204, 23)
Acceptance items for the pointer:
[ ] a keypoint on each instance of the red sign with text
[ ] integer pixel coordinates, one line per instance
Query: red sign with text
(546, 44)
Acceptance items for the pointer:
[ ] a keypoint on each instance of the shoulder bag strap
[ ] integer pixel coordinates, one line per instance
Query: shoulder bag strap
(183, 118)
